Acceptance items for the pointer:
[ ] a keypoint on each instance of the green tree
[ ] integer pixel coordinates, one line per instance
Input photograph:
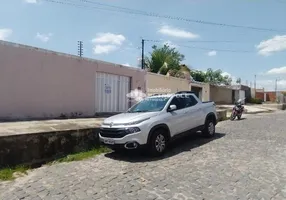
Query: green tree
(216, 77)
(163, 59)
(198, 75)
(238, 81)
(227, 80)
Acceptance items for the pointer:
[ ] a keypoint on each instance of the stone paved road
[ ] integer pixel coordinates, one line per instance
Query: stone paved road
(247, 160)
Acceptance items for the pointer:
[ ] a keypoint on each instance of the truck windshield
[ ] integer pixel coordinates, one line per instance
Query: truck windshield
(150, 105)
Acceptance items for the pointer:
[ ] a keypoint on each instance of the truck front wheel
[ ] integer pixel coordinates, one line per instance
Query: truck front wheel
(158, 142)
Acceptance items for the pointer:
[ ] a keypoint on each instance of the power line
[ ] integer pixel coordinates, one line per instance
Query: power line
(112, 6)
(207, 41)
(208, 49)
(151, 14)
(221, 50)
(218, 41)
(212, 41)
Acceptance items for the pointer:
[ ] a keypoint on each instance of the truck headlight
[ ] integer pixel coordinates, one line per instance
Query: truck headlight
(132, 130)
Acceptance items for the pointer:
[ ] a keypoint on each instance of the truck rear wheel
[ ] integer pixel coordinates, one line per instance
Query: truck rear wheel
(209, 129)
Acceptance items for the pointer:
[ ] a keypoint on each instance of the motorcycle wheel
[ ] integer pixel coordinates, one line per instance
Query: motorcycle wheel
(232, 117)
(239, 117)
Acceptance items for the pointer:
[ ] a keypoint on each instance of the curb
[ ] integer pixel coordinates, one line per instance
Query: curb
(258, 112)
(223, 119)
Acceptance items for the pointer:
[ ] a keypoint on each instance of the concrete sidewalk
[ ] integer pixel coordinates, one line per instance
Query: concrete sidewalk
(34, 142)
(30, 127)
(250, 109)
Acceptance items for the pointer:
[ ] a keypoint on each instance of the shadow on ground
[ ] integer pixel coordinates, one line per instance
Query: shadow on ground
(186, 143)
(243, 118)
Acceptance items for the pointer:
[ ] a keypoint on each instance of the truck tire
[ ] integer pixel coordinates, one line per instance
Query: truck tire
(158, 142)
(209, 128)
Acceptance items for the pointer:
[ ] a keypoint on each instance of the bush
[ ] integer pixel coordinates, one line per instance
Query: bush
(255, 101)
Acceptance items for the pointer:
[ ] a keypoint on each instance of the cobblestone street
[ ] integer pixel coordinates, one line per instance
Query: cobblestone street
(246, 160)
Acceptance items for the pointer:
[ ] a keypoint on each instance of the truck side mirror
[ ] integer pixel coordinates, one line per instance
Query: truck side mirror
(172, 108)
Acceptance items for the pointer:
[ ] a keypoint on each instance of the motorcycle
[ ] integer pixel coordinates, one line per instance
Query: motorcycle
(237, 110)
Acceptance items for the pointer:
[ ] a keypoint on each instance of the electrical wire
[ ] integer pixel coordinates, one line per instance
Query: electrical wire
(212, 41)
(203, 48)
(151, 14)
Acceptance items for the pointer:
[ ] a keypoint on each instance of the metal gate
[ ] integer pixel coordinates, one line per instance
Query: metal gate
(111, 91)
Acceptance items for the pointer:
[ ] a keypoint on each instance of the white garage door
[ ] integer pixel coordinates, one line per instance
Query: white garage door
(242, 95)
(111, 91)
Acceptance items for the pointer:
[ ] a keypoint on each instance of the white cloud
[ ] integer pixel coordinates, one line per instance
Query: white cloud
(31, 1)
(44, 37)
(269, 85)
(110, 38)
(5, 33)
(126, 64)
(175, 32)
(212, 53)
(104, 49)
(278, 70)
(105, 43)
(275, 44)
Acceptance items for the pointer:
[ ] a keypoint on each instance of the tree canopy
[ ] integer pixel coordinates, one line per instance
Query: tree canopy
(199, 76)
(167, 60)
(216, 77)
(163, 59)
(210, 76)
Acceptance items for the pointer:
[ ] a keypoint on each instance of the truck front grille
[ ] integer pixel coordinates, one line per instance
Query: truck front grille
(112, 132)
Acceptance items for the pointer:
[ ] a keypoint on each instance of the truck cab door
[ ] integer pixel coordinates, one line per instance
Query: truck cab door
(176, 119)
(194, 112)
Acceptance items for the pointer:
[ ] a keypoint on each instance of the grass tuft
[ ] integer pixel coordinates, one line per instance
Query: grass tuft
(82, 155)
(9, 173)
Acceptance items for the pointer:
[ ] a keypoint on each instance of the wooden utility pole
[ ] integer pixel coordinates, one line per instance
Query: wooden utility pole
(142, 58)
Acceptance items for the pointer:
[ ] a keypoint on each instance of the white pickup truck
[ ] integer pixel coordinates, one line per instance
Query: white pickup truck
(156, 120)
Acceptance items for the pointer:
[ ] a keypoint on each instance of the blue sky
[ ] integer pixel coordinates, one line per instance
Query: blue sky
(116, 37)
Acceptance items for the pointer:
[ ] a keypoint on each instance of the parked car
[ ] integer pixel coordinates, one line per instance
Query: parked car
(156, 120)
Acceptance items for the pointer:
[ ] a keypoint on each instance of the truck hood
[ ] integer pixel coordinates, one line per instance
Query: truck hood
(126, 118)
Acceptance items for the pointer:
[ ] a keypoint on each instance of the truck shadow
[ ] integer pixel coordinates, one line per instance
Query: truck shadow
(182, 144)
